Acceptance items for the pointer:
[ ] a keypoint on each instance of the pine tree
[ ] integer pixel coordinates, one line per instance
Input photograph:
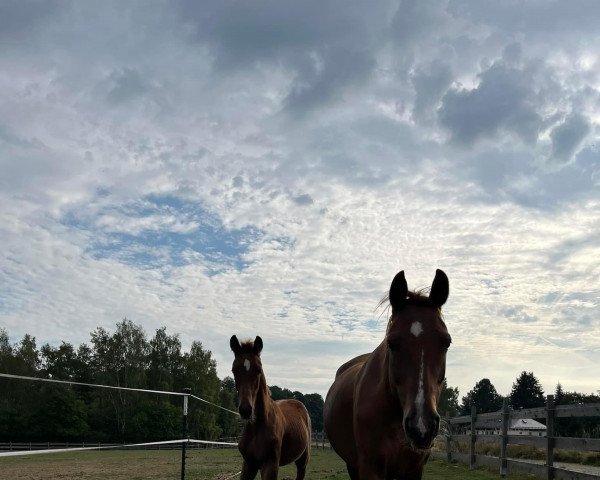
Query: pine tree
(559, 395)
(527, 392)
(483, 396)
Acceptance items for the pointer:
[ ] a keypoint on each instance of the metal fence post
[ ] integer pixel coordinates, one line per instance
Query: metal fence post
(186, 397)
(550, 437)
(504, 439)
(472, 459)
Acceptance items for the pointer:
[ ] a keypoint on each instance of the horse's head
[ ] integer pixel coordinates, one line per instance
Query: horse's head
(417, 341)
(247, 372)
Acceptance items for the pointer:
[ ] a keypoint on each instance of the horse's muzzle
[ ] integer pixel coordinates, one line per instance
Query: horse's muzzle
(245, 411)
(422, 430)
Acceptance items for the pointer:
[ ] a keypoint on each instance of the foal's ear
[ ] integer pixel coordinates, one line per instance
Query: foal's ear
(234, 343)
(439, 289)
(258, 345)
(398, 291)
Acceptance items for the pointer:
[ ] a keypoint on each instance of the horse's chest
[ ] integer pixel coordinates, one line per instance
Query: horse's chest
(259, 447)
(400, 459)
(394, 452)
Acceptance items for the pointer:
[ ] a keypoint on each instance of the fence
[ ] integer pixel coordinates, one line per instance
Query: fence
(549, 442)
(319, 440)
(73, 446)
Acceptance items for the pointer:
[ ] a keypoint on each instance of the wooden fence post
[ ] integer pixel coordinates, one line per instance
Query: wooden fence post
(448, 440)
(472, 459)
(504, 439)
(550, 437)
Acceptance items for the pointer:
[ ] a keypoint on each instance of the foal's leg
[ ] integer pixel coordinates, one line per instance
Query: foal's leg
(301, 465)
(248, 471)
(269, 471)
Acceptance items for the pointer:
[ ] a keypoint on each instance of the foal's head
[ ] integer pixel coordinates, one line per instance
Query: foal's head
(417, 341)
(247, 372)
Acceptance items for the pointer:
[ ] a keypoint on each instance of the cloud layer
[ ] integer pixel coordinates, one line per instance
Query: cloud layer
(267, 167)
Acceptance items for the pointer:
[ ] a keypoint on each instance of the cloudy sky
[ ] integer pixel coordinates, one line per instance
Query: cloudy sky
(266, 167)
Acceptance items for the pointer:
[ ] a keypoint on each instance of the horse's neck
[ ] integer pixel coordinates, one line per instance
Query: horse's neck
(264, 403)
(384, 388)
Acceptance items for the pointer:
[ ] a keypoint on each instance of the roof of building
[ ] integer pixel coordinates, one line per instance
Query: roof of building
(515, 424)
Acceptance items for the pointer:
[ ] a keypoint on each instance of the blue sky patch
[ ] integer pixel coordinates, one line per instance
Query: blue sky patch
(174, 232)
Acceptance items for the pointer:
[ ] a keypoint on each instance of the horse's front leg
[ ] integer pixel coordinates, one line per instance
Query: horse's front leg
(416, 474)
(370, 471)
(248, 471)
(269, 470)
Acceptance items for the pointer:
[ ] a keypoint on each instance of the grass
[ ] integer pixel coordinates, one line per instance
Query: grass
(200, 465)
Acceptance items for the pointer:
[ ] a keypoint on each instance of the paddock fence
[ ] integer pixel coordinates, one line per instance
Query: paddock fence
(319, 440)
(470, 431)
(35, 446)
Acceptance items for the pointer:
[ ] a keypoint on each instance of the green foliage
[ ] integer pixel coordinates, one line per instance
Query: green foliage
(585, 427)
(312, 401)
(32, 411)
(314, 404)
(230, 424)
(483, 396)
(448, 402)
(60, 412)
(527, 392)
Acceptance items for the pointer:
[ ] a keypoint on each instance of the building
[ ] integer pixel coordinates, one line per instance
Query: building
(516, 426)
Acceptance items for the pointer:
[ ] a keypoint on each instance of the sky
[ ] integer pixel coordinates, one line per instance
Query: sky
(265, 167)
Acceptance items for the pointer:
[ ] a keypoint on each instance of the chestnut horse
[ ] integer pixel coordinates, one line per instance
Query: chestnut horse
(276, 432)
(381, 411)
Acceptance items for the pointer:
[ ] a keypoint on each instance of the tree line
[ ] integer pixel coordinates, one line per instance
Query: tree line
(49, 412)
(526, 392)
(39, 411)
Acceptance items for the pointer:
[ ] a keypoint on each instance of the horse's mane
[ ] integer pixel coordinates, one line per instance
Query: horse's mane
(419, 298)
(247, 346)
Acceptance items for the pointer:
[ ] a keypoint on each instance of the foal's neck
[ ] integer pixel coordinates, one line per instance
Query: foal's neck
(264, 403)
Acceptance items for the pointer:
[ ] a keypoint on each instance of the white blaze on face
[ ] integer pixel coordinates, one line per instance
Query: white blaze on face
(420, 398)
(416, 329)
(247, 365)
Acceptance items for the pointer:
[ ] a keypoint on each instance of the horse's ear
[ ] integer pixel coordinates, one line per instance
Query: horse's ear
(398, 291)
(439, 289)
(234, 343)
(258, 345)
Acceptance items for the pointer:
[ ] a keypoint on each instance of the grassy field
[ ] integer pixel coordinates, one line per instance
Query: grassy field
(201, 465)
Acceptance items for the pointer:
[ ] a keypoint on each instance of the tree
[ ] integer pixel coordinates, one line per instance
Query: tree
(5, 348)
(200, 374)
(314, 404)
(527, 392)
(27, 355)
(60, 415)
(312, 401)
(278, 393)
(448, 402)
(165, 360)
(559, 394)
(575, 426)
(230, 424)
(6, 353)
(483, 396)
(60, 363)
(120, 359)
